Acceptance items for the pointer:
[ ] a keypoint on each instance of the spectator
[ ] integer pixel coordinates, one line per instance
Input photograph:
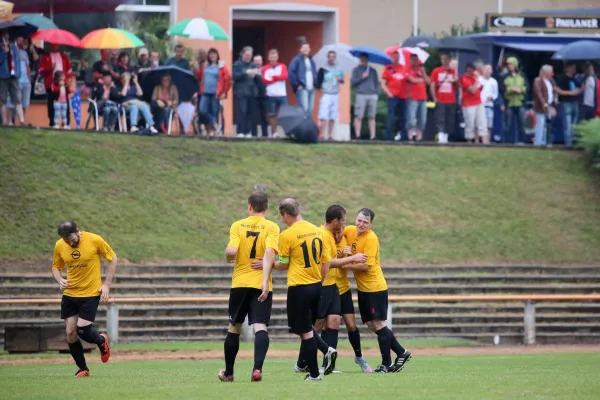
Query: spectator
(472, 108)
(131, 93)
(303, 77)
(144, 64)
(196, 65)
(49, 65)
(589, 99)
(544, 99)
(10, 72)
(244, 91)
(60, 95)
(394, 86)
(274, 77)
(417, 99)
(568, 89)
(24, 77)
(165, 98)
(122, 66)
(178, 60)
(366, 86)
(103, 65)
(34, 54)
(443, 92)
(114, 59)
(489, 96)
(106, 97)
(260, 101)
(215, 82)
(515, 90)
(329, 79)
(155, 59)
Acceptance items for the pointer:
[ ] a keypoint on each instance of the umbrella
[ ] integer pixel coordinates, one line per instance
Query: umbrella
(52, 7)
(76, 107)
(460, 44)
(185, 81)
(37, 20)
(298, 125)
(344, 60)
(406, 52)
(581, 50)
(376, 56)
(17, 28)
(423, 42)
(198, 28)
(110, 38)
(57, 36)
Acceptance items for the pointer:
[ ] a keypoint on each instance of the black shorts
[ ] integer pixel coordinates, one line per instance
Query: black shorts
(84, 307)
(330, 302)
(373, 306)
(244, 301)
(346, 303)
(302, 307)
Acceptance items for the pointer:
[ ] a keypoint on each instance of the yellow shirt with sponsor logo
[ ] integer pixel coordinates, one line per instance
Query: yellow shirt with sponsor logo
(303, 245)
(329, 241)
(371, 280)
(83, 264)
(252, 236)
(342, 281)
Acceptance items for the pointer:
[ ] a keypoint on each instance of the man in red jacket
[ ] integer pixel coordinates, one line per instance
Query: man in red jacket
(274, 76)
(49, 64)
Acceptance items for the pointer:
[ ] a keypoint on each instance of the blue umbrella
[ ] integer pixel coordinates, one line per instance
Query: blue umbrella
(185, 82)
(581, 50)
(376, 56)
(17, 28)
(76, 107)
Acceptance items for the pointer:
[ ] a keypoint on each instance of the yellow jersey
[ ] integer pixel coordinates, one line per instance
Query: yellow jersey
(303, 247)
(83, 264)
(329, 241)
(342, 281)
(371, 280)
(252, 236)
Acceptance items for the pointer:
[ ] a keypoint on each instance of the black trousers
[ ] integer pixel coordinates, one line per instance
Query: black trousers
(259, 111)
(243, 114)
(50, 104)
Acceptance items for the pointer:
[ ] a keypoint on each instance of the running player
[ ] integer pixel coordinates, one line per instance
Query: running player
(83, 289)
(372, 291)
(304, 254)
(250, 239)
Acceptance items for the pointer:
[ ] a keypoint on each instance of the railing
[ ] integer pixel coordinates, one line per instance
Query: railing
(112, 314)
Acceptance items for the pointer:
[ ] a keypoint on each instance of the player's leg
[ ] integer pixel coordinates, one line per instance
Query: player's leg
(87, 315)
(333, 321)
(260, 317)
(238, 309)
(75, 346)
(369, 314)
(301, 301)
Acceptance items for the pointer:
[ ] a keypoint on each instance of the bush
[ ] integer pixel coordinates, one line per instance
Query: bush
(588, 138)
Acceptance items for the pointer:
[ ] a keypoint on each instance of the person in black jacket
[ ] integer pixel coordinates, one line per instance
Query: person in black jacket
(244, 91)
(107, 97)
(260, 102)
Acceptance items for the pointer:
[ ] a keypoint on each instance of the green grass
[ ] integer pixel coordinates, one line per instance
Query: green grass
(530, 377)
(174, 199)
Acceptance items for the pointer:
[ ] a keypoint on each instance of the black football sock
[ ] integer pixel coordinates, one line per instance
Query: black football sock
(396, 346)
(310, 352)
(321, 345)
(76, 350)
(232, 346)
(329, 336)
(301, 363)
(354, 338)
(384, 340)
(261, 346)
(90, 335)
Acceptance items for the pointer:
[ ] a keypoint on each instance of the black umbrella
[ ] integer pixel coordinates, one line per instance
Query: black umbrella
(185, 82)
(581, 50)
(298, 125)
(17, 28)
(459, 44)
(423, 42)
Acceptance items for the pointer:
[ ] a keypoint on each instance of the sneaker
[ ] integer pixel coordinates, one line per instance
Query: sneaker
(256, 376)
(382, 369)
(398, 137)
(310, 378)
(67, 127)
(104, 349)
(363, 364)
(82, 373)
(153, 130)
(401, 361)
(55, 127)
(225, 378)
(248, 136)
(300, 369)
(241, 135)
(134, 129)
(329, 359)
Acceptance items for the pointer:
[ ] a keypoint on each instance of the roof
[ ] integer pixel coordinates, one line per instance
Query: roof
(580, 12)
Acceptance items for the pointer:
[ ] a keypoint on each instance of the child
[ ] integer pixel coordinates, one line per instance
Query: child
(60, 93)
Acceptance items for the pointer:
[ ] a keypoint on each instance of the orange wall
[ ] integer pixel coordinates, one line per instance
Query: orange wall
(219, 12)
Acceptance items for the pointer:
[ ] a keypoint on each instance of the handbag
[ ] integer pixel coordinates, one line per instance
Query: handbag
(38, 87)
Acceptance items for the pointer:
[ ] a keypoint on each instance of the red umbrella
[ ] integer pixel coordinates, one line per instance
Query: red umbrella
(52, 7)
(406, 52)
(57, 36)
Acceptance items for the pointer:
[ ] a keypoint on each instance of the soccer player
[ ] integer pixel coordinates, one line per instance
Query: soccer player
(250, 239)
(346, 303)
(83, 289)
(304, 254)
(372, 291)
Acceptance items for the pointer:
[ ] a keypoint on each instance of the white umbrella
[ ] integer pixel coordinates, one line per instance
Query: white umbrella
(344, 60)
(407, 51)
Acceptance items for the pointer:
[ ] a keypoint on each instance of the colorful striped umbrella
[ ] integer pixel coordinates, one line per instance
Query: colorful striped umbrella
(110, 38)
(198, 28)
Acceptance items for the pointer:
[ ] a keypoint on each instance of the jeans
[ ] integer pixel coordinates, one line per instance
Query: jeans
(543, 130)
(110, 114)
(243, 114)
(60, 112)
(134, 110)
(306, 99)
(516, 114)
(209, 108)
(396, 117)
(570, 115)
(416, 111)
(25, 95)
(445, 118)
(585, 113)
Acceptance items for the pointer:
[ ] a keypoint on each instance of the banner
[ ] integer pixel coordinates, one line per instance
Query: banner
(542, 23)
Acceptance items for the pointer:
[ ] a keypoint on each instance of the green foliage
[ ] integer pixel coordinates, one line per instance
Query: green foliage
(152, 29)
(588, 138)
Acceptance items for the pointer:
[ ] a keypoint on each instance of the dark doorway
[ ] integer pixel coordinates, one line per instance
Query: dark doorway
(253, 36)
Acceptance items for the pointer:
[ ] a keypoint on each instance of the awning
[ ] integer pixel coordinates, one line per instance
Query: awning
(548, 47)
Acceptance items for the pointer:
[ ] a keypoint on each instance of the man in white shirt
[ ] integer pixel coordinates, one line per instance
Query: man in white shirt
(544, 99)
(588, 97)
(489, 95)
(274, 76)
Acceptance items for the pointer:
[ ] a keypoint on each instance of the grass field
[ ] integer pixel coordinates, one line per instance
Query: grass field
(542, 376)
(174, 199)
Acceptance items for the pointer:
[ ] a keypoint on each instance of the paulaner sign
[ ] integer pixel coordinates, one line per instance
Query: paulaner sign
(543, 23)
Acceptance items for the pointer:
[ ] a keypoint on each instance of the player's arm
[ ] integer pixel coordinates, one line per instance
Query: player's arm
(282, 264)
(267, 265)
(285, 250)
(326, 260)
(371, 249)
(356, 267)
(58, 265)
(233, 245)
(109, 255)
